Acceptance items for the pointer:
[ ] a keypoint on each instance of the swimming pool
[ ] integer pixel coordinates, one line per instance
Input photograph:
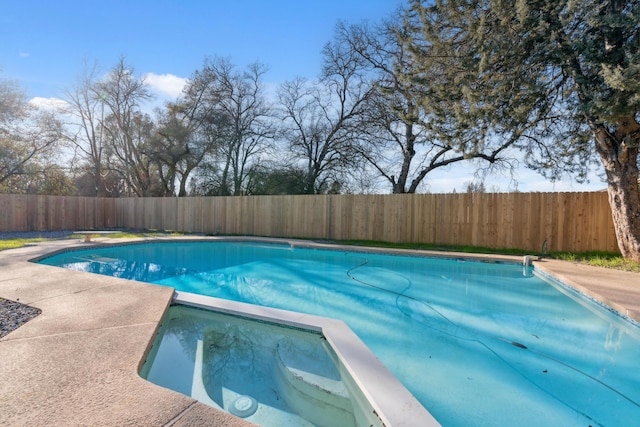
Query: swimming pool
(477, 343)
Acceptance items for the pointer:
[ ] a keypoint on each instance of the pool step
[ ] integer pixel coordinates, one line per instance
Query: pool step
(307, 380)
(198, 391)
(311, 385)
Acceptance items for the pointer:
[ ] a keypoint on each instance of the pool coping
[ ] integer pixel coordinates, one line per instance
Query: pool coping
(50, 371)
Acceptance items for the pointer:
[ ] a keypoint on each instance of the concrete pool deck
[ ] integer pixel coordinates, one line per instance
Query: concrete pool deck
(77, 362)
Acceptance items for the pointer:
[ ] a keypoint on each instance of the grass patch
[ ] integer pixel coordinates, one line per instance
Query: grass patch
(597, 259)
(600, 259)
(433, 247)
(18, 243)
(135, 234)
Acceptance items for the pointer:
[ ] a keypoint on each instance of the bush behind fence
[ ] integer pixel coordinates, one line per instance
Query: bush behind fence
(574, 222)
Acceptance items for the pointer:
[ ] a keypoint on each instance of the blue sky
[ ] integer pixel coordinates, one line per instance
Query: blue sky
(45, 44)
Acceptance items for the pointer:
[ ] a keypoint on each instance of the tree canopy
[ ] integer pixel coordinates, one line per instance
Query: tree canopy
(560, 79)
(27, 140)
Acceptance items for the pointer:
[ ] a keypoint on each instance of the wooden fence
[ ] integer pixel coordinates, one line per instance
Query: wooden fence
(566, 221)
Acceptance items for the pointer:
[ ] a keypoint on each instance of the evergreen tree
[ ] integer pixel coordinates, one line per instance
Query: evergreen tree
(560, 79)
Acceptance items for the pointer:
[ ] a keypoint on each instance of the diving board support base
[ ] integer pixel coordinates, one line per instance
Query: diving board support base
(88, 234)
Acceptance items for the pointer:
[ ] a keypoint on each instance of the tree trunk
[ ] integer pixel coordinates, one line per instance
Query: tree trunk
(407, 157)
(619, 155)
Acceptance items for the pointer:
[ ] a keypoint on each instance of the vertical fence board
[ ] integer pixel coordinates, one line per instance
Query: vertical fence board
(606, 232)
(493, 218)
(440, 219)
(534, 218)
(570, 222)
(20, 220)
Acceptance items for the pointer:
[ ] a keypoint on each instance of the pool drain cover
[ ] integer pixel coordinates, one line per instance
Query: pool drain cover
(243, 406)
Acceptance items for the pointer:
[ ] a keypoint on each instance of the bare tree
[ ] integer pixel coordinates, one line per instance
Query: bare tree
(188, 131)
(320, 120)
(237, 99)
(28, 137)
(398, 136)
(127, 129)
(86, 132)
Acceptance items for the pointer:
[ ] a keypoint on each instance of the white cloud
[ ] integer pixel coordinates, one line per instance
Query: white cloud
(24, 54)
(165, 84)
(49, 103)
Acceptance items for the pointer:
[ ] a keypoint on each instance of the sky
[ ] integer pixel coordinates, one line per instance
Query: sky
(45, 44)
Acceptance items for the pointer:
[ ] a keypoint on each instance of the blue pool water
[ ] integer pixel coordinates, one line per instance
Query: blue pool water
(483, 344)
